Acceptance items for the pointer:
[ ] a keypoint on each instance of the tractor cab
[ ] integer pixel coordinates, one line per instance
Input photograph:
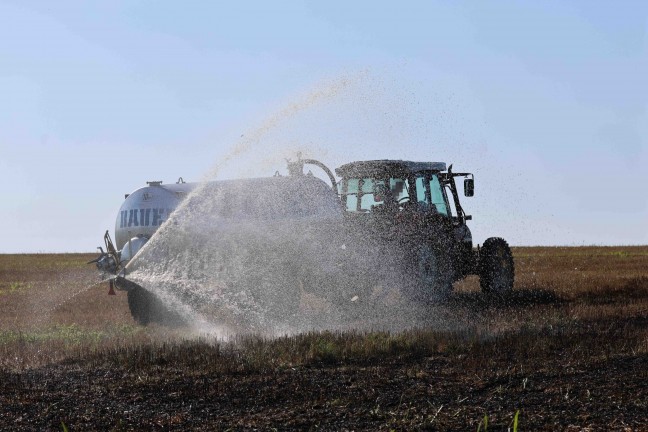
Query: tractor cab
(407, 198)
(396, 185)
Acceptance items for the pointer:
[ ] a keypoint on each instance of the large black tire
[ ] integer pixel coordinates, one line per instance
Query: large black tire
(496, 267)
(139, 305)
(147, 308)
(433, 272)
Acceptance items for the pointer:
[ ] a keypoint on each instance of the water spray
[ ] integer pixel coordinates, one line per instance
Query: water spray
(244, 254)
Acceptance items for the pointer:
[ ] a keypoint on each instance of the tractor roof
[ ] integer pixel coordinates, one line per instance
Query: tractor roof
(396, 168)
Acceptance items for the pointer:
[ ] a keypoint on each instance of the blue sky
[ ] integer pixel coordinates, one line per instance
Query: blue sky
(546, 102)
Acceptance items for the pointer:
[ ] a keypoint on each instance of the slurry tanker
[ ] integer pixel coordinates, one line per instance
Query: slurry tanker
(409, 211)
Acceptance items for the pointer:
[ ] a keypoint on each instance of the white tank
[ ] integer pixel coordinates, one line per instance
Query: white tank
(276, 198)
(146, 209)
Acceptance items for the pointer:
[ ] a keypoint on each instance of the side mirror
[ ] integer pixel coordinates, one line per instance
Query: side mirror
(469, 187)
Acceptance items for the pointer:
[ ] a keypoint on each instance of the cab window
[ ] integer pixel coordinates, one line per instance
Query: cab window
(398, 187)
(453, 209)
(436, 193)
(359, 192)
(367, 199)
(352, 195)
(421, 192)
(429, 191)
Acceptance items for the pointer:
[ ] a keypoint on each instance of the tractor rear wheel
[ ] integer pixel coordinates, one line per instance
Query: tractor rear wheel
(496, 267)
(433, 275)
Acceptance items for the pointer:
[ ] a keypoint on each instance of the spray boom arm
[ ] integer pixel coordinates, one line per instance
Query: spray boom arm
(107, 261)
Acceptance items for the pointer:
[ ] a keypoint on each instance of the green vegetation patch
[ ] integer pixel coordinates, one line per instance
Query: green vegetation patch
(71, 334)
(14, 287)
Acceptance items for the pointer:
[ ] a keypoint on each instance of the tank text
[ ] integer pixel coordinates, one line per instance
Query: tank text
(143, 217)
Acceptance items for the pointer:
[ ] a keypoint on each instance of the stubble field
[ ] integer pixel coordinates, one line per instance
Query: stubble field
(567, 350)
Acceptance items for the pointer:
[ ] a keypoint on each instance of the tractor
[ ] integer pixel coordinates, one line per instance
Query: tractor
(407, 214)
